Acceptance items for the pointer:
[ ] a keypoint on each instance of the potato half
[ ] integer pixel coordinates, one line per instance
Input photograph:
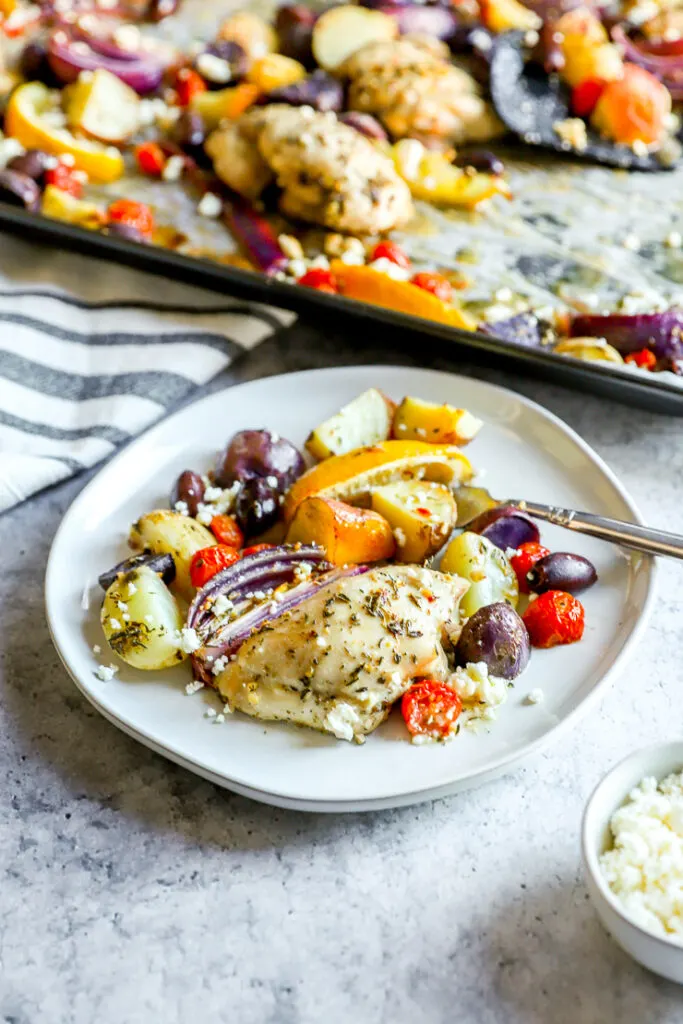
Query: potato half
(170, 533)
(421, 515)
(366, 420)
(142, 621)
(417, 420)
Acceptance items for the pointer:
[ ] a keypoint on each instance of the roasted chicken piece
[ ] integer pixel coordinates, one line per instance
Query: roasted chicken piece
(410, 85)
(339, 661)
(329, 173)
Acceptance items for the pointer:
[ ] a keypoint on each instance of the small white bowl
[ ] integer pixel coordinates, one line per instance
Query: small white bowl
(661, 955)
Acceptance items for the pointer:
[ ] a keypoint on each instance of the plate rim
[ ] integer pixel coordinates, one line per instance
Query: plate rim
(502, 764)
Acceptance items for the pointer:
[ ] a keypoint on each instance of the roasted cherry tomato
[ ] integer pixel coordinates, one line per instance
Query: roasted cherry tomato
(525, 559)
(135, 215)
(437, 284)
(208, 561)
(188, 84)
(391, 251)
(430, 708)
(554, 618)
(321, 280)
(226, 531)
(644, 358)
(586, 95)
(66, 179)
(255, 548)
(150, 158)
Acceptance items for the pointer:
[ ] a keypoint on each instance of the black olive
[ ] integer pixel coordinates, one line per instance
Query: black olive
(481, 160)
(256, 506)
(33, 163)
(19, 190)
(562, 571)
(189, 487)
(162, 565)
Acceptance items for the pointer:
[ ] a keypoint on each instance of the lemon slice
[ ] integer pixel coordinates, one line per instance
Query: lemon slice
(352, 476)
(25, 120)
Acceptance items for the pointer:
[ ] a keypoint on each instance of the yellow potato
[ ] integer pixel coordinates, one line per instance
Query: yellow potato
(170, 533)
(417, 420)
(251, 32)
(62, 206)
(141, 620)
(366, 420)
(421, 515)
(102, 106)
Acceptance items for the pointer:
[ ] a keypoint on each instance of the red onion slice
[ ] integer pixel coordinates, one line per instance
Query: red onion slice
(69, 55)
(668, 69)
(660, 332)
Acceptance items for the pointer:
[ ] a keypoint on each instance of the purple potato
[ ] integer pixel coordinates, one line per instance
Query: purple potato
(257, 506)
(259, 453)
(33, 163)
(34, 65)
(320, 91)
(162, 565)
(189, 487)
(18, 189)
(294, 26)
(506, 527)
(562, 570)
(366, 124)
(524, 329)
(497, 636)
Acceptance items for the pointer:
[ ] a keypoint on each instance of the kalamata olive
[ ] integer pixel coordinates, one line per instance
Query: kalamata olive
(189, 487)
(562, 570)
(189, 131)
(366, 124)
(496, 635)
(320, 91)
(33, 163)
(257, 506)
(294, 26)
(127, 231)
(233, 54)
(34, 65)
(259, 453)
(481, 160)
(19, 190)
(506, 527)
(163, 565)
(160, 9)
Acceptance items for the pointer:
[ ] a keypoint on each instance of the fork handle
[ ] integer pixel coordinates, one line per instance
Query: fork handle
(628, 535)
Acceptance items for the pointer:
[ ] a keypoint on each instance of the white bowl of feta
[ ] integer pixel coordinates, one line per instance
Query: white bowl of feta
(632, 846)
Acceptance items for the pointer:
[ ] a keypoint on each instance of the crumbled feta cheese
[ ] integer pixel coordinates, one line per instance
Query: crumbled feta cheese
(173, 169)
(9, 148)
(210, 713)
(400, 537)
(319, 263)
(631, 242)
(219, 719)
(341, 719)
(132, 589)
(106, 672)
(214, 68)
(182, 507)
(644, 868)
(535, 696)
(96, 649)
(149, 619)
(115, 624)
(194, 687)
(291, 247)
(321, 641)
(391, 269)
(572, 132)
(219, 665)
(297, 268)
(127, 37)
(511, 553)
(122, 606)
(222, 606)
(210, 205)
(303, 571)
(126, 617)
(481, 693)
(188, 640)
(674, 240)
(227, 710)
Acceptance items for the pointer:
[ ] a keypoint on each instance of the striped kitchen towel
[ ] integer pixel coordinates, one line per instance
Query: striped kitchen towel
(92, 353)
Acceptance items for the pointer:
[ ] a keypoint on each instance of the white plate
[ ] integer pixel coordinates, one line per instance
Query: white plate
(525, 451)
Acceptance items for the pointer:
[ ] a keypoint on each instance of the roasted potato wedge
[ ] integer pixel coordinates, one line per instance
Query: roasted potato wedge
(102, 106)
(344, 29)
(417, 420)
(366, 420)
(421, 515)
(347, 534)
(170, 533)
(142, 621)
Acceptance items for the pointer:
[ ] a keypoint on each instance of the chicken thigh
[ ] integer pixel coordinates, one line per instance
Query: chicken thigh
(339, 661)
(329, 173)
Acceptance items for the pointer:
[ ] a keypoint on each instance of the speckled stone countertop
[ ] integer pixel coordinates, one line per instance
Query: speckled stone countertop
(134, 892)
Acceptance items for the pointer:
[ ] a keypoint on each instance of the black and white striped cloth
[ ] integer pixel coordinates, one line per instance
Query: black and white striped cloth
(92, 353)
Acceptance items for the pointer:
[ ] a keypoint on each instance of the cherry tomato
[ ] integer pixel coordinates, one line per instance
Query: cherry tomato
(321, 280)
(188, 84)
(430, 708)
(525, 559)
(644, 358)
(135, 215)
(226, 531)
(255, 548)
(391, 251)
(208, 561)
(554, 618)
(66, 179)
(437, 284)
(150, 158)
(586, 95)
